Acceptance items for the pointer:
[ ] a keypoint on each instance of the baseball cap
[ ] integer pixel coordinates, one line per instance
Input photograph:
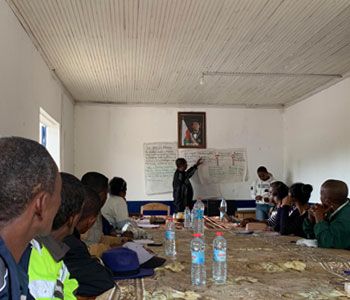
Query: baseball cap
(146, 259)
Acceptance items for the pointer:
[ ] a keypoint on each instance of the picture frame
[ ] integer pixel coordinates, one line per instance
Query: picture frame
(192, 132)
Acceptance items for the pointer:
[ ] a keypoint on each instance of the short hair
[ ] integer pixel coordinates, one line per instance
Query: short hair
(26, 169)
(117, 185)
(180, 162)
(337, 190)
(301, 192)
(281, 189)
(97, 181)
(262, 169)
(72, 199)
(92, 203)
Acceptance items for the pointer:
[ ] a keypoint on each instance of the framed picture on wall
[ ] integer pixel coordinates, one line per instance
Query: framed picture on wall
(191, 130)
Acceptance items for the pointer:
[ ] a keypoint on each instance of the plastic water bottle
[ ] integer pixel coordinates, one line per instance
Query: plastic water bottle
(187, 222)
(170, 245)
(192, 217)
(219, 259)
(223, 209)
(198, 273)
(198, 217)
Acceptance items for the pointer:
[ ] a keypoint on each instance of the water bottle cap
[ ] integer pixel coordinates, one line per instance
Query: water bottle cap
(197, 234)
(219, 233)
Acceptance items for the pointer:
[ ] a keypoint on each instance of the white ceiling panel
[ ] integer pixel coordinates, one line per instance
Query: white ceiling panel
(155, 51)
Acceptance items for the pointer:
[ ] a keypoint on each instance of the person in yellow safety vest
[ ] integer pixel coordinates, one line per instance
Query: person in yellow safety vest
(49, 277)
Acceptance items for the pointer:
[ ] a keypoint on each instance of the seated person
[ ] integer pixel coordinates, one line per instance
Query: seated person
(49, 277)
(293, 210)
(115, 210)
(29, 199)
(93, 278)
(99, 183)
(278, 191)
(329, 222)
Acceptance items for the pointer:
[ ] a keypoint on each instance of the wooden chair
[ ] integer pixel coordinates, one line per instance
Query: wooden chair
(155, 206)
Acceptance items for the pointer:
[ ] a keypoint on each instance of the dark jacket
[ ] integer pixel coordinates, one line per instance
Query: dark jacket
(107, 228)
(289, 221)
(93, 278)
(182, 189)
(13, 279)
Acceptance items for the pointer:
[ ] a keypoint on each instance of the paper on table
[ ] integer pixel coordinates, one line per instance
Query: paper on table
(143, 221)
(307, 243)
(144, 241)
(148, 225)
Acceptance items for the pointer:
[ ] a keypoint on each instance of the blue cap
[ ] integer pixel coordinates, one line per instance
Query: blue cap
(124, 264)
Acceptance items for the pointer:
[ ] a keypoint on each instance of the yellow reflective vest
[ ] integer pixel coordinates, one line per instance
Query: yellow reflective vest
(49, 279)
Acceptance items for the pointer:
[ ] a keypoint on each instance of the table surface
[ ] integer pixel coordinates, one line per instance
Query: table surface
(257, 257)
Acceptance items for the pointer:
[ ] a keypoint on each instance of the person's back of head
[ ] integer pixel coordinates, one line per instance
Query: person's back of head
(91, 209)
(300, 192)
(279, 190)
(334, 192)
(30, 185)
(98, 182)
(72, 199)
(117, 186)
(181, 164)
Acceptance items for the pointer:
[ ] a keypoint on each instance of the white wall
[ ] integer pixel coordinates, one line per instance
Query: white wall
(67, 134)
(317, 143)
(110, 139)
(26, 84)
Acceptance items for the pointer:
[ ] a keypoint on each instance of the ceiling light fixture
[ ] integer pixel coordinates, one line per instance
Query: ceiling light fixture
(201, 81)
(263, 74)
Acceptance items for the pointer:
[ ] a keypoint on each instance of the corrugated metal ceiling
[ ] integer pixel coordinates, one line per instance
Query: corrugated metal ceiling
(155, 51)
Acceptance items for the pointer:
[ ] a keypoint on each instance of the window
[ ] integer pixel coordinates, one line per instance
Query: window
(49, 135)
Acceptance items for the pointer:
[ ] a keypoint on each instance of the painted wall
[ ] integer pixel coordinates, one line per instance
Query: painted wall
(110, 139)
(26, 84)
(317, 143)
(67, 134)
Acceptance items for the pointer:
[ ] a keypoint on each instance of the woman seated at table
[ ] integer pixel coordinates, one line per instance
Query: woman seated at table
(115, 210)
(278, 191)
(294, 210)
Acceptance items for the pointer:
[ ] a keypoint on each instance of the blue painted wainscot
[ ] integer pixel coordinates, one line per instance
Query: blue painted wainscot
(212, 206)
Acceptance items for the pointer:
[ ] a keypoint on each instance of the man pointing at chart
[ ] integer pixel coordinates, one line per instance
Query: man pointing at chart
(182, 187)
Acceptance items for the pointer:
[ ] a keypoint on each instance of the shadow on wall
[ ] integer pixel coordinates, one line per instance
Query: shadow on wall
(289, 178)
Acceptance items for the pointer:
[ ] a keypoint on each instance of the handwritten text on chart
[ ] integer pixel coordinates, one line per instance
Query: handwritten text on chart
(220, 165)
(159, 167)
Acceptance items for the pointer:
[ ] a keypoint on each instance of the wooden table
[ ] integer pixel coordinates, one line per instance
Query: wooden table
(254, 270)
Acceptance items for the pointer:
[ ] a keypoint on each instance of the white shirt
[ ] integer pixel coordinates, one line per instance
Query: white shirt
(261, 188)
(339, 208)
(115, 210)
